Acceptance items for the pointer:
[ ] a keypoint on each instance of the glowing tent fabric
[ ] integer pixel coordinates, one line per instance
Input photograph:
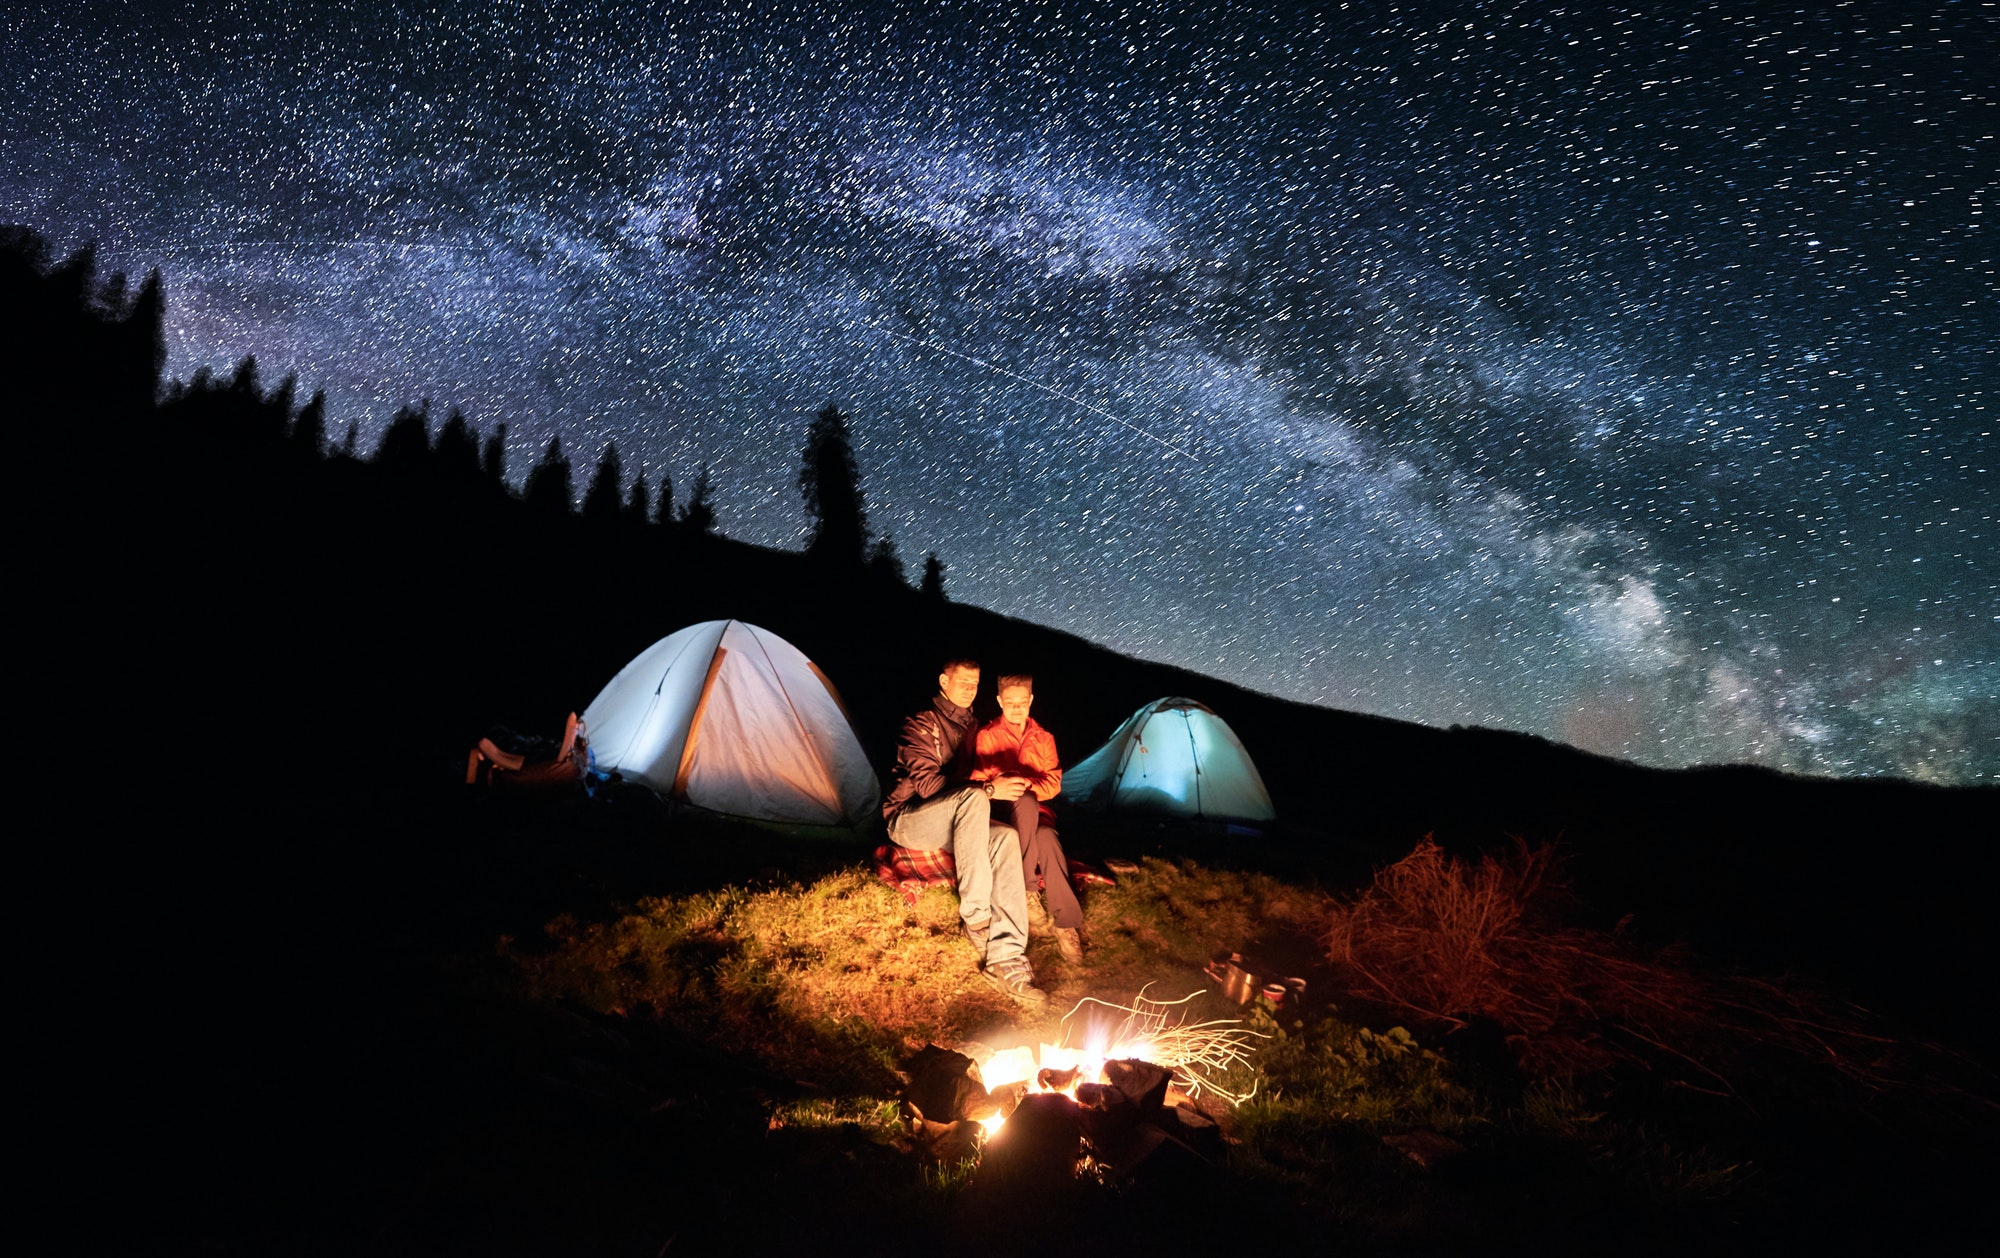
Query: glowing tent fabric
(734, 719)
(1173, 757)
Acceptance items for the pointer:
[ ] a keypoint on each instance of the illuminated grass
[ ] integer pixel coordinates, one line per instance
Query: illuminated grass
(835, 981)
(833, 984)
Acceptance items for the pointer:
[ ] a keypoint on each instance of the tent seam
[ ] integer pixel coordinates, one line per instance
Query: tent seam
(646, 717)
(805, 734)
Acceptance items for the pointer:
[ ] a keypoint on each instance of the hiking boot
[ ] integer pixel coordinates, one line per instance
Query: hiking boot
(1015, 979)
(1069, 942)
(975, 934)
(1039, 921)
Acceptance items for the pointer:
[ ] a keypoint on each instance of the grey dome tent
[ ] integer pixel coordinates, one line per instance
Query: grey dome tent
(1176, 758)
(733, 719)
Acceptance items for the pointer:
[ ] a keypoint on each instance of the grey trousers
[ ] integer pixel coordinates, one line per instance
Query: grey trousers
(988, 857)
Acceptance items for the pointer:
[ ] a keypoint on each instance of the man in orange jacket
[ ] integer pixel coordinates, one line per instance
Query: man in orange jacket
(1013, 748)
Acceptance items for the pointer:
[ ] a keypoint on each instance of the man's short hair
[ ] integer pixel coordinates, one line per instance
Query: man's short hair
(955, 663)
(1008, 680)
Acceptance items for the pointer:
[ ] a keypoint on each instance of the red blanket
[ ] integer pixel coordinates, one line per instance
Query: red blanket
(910, 871)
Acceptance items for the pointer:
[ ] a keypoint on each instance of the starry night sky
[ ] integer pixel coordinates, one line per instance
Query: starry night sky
(1622, 376)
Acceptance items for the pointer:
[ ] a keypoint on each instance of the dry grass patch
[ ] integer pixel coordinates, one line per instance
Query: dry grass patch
(830, 983)
(1449, 941)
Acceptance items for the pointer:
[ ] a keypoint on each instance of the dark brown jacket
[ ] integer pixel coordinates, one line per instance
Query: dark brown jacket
(935, 754)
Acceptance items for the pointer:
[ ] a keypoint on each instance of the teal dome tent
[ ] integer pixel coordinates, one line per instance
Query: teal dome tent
(1175, 758)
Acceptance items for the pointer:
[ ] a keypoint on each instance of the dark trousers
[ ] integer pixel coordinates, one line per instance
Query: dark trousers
(1042, 855)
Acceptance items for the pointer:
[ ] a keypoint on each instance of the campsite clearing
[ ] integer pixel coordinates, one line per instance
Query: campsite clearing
(833, 983)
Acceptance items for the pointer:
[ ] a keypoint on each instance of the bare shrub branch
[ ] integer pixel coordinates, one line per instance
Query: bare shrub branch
(1451, 940)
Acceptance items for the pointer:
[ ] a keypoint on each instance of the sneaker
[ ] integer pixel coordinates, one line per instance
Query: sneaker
(1069, 942)
(975, 934)
(1016, 979)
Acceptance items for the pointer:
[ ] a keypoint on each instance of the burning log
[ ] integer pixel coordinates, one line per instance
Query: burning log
(1037, 1152)
(1101, 1097)
(1142, 1081)
(945, 1087)
(948, 1142)
(947, 1096)
(1050, 1080)
(1035, 1130)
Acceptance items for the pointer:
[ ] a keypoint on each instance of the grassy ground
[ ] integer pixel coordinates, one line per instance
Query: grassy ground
(457, 1023)
(825, 987)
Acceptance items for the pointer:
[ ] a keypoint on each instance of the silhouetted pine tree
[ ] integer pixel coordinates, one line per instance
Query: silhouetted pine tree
(665, 515)
(247, 382)
(24, 257)
(832, 486)
(25, 334)
(350, 445)
(698, 516)
(241, 410)
(70, 282)
(406, 446)
(493, 460)
(281, 405)
(89, 348)
(108, 303)
(309, 429)
(548, 486)
(639, 507)
(883, 563)
(933, 586)
(36, 358)
(143, 353)
(456, 452)
(607, 487)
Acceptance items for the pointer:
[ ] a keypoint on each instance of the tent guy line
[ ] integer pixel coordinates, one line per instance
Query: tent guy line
(1036, 384)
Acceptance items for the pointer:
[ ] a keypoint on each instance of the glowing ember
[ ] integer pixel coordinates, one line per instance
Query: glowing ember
(1198, 1053)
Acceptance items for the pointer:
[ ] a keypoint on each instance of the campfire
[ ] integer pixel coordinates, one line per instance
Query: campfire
(1197, 1054)
(1106, 1057)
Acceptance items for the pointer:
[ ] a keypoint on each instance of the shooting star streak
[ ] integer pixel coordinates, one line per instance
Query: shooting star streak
(1035, 384)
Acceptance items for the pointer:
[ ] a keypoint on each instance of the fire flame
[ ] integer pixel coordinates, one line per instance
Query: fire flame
(1197, 1053)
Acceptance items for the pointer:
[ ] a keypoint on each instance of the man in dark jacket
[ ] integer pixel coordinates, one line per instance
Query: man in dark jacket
(933, 805)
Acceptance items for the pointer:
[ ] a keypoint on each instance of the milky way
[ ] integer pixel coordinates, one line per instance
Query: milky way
(1618, 376)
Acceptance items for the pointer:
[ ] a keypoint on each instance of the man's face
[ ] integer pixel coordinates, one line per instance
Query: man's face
(1014, 704)
(960, 685)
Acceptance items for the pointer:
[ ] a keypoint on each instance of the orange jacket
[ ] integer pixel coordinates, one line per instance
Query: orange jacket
(1001, 752)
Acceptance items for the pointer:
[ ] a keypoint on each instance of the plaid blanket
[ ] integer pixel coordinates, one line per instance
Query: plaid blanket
(910, 871)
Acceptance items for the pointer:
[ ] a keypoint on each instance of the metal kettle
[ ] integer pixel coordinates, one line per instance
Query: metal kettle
(1238, 984)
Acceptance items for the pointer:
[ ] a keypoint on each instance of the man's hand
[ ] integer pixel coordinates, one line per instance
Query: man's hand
(1009, 788)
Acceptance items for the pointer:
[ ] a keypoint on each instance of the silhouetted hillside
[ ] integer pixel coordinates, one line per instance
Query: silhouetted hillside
(316, 633)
